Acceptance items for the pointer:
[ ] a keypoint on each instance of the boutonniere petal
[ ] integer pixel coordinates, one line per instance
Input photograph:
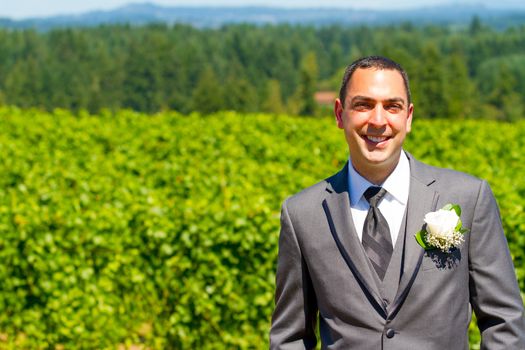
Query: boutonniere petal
(444, 229)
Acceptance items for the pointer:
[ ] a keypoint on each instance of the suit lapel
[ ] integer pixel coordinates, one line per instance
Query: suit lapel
(337, 209)
(421, 200)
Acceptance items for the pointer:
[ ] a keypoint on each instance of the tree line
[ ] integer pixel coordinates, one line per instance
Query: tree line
(477, 72)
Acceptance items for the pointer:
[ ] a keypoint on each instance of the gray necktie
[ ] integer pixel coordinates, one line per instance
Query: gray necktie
(376, 234)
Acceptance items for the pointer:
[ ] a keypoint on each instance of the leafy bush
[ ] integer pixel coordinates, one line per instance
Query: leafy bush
(162, 229)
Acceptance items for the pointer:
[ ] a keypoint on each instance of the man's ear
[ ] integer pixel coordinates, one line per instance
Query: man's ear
(409, 117)
(338, 111)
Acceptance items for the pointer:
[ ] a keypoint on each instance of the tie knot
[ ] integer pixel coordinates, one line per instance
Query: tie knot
(374, 194)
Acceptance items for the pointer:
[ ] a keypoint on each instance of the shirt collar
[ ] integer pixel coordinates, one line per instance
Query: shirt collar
(396, 184)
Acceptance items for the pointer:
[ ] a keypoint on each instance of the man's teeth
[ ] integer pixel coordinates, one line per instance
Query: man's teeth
(376, 138)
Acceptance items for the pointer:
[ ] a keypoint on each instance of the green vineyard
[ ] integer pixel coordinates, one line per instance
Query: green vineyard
(161, 231)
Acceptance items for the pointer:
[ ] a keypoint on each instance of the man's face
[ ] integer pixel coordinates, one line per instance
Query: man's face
(376, 118)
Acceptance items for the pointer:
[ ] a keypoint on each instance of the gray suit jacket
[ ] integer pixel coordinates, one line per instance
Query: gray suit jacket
(323, 273)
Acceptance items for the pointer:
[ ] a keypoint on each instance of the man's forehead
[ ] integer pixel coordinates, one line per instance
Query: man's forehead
(372, 71)
(365, 81)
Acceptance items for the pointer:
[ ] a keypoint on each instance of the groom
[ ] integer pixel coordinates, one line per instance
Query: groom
(349, 260)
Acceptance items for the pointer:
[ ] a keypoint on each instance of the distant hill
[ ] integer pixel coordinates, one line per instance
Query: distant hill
(145, 13)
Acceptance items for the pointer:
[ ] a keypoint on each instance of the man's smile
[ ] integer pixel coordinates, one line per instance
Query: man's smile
(375, 139)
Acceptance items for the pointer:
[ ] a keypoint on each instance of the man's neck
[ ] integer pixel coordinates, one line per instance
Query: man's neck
(377, 174)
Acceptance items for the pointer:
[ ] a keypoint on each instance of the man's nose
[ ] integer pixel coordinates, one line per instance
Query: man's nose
(378, 117)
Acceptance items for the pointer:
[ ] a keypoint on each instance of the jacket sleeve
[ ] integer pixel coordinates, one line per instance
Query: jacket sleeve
(295, 314)
(494, 292)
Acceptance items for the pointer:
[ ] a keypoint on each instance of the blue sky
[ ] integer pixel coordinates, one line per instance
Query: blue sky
(18, 9)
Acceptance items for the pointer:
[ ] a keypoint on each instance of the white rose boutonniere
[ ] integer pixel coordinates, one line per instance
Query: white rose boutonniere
(443, 230)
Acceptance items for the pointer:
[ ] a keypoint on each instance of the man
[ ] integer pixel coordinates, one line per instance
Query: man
(348, 256)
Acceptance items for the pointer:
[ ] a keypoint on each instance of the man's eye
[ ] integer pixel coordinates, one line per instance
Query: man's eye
(361, 106)
(394, 108)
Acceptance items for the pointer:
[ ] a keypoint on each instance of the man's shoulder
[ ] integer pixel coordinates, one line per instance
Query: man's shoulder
(447, 172)
(311, 194)
(314, 195)
(446, 178)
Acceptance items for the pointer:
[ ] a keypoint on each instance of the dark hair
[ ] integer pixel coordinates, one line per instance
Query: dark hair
(377, 62)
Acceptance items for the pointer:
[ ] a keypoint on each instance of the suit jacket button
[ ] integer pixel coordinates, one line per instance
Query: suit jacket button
(390, 333)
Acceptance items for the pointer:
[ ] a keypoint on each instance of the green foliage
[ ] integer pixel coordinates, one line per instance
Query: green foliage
(503, 81)
(208, 94)
(422, 240)
(273, 102)
(454, 207)
(162, 230)
(308, 84)
(474, 72)
(430, 87)
(459, 91)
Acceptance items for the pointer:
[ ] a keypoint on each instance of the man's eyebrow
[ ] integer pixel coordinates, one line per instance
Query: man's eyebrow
(395, 99)
(361, 98)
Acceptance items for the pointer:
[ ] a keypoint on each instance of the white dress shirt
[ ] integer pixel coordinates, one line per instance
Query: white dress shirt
(393, 204)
